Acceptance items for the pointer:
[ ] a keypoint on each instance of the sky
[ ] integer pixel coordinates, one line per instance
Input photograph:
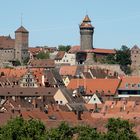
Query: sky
(56, 22)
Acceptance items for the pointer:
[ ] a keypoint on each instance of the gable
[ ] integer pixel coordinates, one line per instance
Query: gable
(60, 98)
(94, 100)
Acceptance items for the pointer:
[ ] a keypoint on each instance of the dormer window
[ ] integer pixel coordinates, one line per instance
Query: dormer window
(139, 85)
(133, 85)
(126, 85)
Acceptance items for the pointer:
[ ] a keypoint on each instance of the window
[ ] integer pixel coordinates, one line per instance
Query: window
(139, 85)
(57, 102)
(61, 102)
(94, 99)
(133, 85)
(126, 85)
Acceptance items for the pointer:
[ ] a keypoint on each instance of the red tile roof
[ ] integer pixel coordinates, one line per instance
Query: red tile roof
(107, 51)
(17, 72)
(60, 55)
(130, 82)
(68, 70)
(42, 63)
(74, 49)
(35, 50)
(108, 86)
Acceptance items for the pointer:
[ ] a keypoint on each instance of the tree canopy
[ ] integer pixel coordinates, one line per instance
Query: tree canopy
(64, 48)
(122, 57)
(43, 55)
(19, 129)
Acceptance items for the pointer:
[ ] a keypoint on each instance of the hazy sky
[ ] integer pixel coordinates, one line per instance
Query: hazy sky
(55, 22)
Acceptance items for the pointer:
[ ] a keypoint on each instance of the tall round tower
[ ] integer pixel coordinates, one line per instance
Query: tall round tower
(21, 44)
(86, 32)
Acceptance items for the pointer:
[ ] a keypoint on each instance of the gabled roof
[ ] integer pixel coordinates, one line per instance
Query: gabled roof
(13, 73)
(74, 49)
(68, 70)
(130, 83)
(42, 63)
(21, 29)
(105, 86)
(60, 55)
(69, 96)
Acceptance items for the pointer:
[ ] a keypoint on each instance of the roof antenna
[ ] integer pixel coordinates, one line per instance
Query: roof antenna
(86, 12)
(21, 18)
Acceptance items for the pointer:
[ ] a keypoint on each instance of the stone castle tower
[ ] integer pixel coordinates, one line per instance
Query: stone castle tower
(21, 44)
(86, 34)
(135, 58)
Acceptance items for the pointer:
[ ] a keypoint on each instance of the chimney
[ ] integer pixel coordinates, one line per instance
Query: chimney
(79, 115)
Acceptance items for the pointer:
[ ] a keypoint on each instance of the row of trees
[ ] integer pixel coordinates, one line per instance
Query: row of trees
(19, 129)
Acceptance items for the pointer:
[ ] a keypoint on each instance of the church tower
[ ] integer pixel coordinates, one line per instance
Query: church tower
(21, 44)
(86, 34)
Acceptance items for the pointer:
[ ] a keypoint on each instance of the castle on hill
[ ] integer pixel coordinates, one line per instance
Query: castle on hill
(14, 49)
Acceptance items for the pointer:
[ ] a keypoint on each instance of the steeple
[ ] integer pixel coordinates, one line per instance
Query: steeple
(86, 22)
(86, 19)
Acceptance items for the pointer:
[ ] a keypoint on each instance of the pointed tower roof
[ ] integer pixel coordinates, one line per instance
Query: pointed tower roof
(22, 30)
(86, 19)
(86, 23)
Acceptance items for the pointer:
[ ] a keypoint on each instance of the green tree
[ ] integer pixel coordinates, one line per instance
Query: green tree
(19, 129)
(26, 61)
(43, 55)
(120, 130)
(123, 56)
(17, 63)
(64, 48)
(63, 132)
(88, 133)
(110, 59)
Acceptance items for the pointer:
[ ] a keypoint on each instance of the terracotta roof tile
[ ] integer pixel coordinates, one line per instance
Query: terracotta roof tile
(68, 70)
(108, 86)
(60, 55)
(130, 82)
(94, 50)
(97, 50)
(74, 49)
(42, 63)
